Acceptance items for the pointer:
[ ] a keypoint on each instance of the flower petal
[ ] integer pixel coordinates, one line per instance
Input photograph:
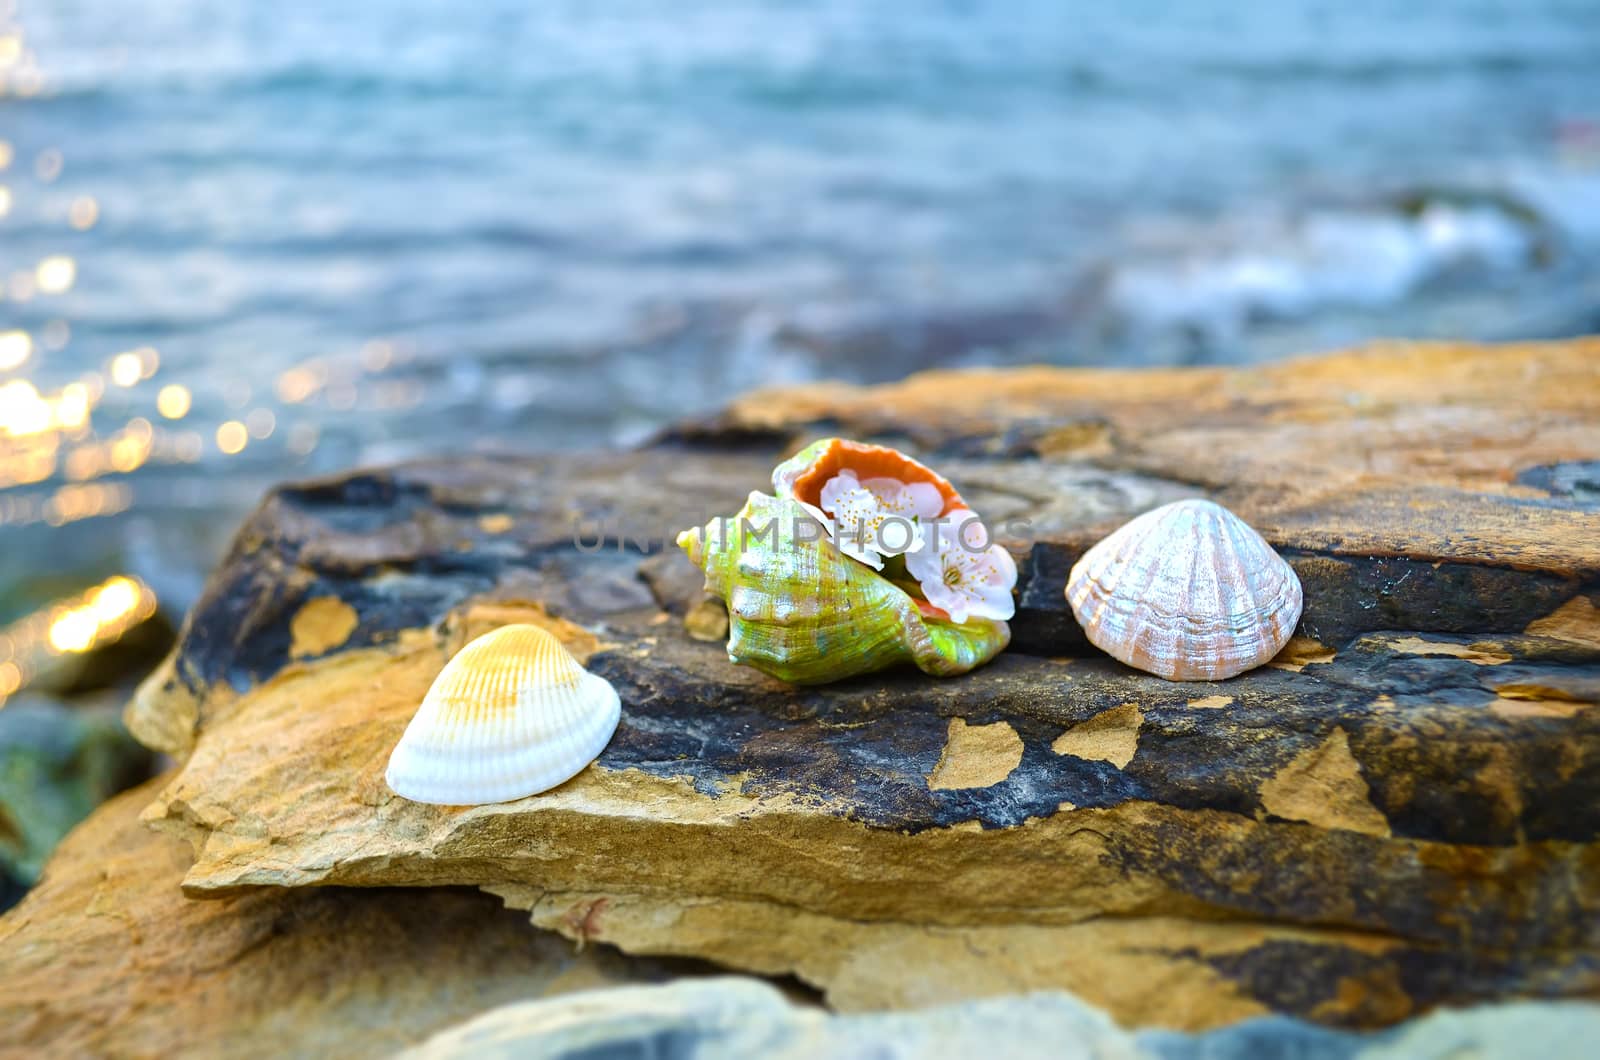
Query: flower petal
(842, 483)
(927, 563)
(1002, 568)
(848, 546)
(991, 601)
(949, 600)
(897, 536)
(855, 519)
(924, 499)
(891, 492)
(968, 532)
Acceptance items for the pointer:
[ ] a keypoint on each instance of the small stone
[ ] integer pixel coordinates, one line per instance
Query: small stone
(707, 620)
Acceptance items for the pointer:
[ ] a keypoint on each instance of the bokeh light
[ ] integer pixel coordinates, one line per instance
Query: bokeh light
(301, 383)
(42, 642)
(72, 407)
(16, 346)
(174, 401)
(23, 411)
(83, 212)
(125, 369)
(261, 423)
(232, 437)
(56, 274)
(48, 165)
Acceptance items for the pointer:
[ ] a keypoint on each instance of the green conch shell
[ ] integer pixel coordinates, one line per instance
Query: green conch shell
(801, 611)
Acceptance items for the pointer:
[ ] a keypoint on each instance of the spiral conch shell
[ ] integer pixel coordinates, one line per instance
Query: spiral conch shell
(801, 611)
(1188, 592)
(511, 715)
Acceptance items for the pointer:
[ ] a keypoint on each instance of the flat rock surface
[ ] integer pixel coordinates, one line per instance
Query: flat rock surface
(106, 957)
(1399, 813)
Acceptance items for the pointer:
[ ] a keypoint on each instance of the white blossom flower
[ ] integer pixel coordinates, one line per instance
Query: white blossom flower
(962, 572)
(879, 517)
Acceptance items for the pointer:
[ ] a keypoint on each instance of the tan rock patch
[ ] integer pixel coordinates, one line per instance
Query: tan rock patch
(1301, 652)
(707, 620)
(1211, 702)
(495, 523)
(1079, 441)
(1577, 622)
(1110, 736)
(1323, 786)
(976, 756)
(1373, 996)
(1534, 690)
(1509, 707)
(861, 964)
(1483, 653)
(163, 712)
(321, 625)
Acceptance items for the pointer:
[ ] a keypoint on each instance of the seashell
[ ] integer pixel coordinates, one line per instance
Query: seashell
(511, 715)
(803, 475)
(1188, 592)
(801, 611)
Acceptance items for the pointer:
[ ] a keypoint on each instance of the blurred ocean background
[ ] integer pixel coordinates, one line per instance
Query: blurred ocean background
(243, 242)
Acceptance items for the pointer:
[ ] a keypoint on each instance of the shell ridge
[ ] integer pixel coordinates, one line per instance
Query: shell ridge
(1186, 591)
(510, 715)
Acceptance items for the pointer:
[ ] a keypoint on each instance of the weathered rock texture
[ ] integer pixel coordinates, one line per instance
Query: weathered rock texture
(1401, 812)
(107, 958)
(731, 1019)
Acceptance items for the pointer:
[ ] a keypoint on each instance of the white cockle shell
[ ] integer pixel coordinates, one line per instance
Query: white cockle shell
(511, 715)
(1188, 592)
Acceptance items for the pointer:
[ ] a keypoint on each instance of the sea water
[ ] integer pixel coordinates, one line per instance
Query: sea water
(335, 233)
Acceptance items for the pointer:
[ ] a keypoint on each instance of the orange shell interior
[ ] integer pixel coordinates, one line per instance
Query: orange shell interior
(869, 461)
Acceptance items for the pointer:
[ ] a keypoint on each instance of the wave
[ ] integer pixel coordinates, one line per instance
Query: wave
(1369, 69)
(1214, 281)
(1503, 256)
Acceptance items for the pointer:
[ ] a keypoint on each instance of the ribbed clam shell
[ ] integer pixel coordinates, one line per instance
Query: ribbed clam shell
(1188, 592)
(511, 715)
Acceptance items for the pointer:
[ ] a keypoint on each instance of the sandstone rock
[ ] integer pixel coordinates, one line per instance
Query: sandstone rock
(107, 958)
(731, 1019)
(1400, 813)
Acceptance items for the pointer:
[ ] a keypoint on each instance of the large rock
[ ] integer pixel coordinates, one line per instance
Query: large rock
(107, 958)
(730, 1019)
(1401, 812)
